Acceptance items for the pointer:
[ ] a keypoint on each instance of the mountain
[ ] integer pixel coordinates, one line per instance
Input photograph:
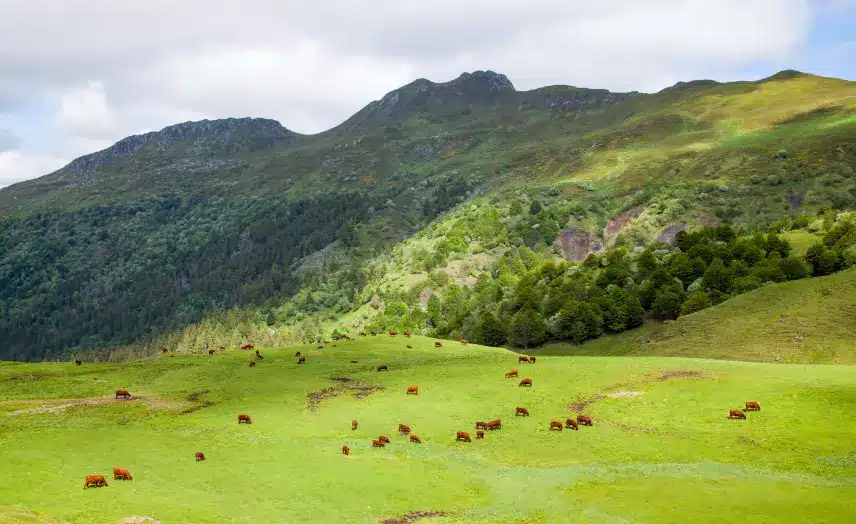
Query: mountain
(219, 231)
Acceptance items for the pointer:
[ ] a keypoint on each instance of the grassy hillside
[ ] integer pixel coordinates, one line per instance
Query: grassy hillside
(661, 448)
(163, 236)
(810, 321)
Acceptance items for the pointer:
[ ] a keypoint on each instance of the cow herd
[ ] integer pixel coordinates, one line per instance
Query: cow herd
(403, 429)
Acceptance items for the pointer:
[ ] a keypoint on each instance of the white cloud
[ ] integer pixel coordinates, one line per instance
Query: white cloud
(83, 112)
(122, 68)
(15, 166)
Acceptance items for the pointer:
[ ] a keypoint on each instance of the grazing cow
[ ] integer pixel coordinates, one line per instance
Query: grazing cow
(584, 420)
(354, 361)
(320, 347)
(354, 424)
(244, 418)
(247, 346)
(259, 357)
(572, 424)
(481, 425)
(362, 333)
(297, 354)
(438, 344)
(531, 360)
(94, 481)
(409, 347)
(555, 424)
(463, 435)
(494, 424)
(521, 411)
(408, 334)
(393, 333)
(200, 456)
(346, 450)
(415, 439)
(522, 358)
(377, 444)
(122, 393)
(752, 406)
(326, 341)
(384, 439)
(252, 364)
(301, 360)
(512, 373)
(121, 474)
(479, 434)
(383, 367)
(527, 382)
(464, 341)
(78, 362)
(210, 351)
(736, 413)
(412, 390)
(404, 429)
(164, 350)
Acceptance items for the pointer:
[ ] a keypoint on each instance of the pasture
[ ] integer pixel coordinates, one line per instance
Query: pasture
(660, 450)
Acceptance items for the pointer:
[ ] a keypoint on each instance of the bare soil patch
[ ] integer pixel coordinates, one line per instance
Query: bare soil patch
(668, 375)
(194, 397)
(413, 516)
(624, 394)
(344, 385)
(56, 405)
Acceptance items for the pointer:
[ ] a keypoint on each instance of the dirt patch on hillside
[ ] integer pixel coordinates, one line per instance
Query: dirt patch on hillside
(580, 405)
(578, 243)
(52, 406)
(668, 235)
(344, 385)
(615, 225)
(624, 394)
(200, 404)
(668, 375)
(413, 516)
(138, 520)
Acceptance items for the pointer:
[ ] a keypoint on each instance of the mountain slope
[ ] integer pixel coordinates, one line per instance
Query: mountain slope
(162, 231)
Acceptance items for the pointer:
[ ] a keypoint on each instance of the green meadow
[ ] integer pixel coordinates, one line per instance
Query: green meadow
(661, 448)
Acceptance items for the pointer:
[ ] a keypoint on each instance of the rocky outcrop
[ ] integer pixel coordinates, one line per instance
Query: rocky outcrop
(577, 244)
(668, 235)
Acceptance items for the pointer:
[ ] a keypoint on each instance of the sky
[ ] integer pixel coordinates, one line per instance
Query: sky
(79, 75)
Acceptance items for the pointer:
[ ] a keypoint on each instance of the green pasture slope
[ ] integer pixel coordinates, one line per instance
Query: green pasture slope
(661, 448)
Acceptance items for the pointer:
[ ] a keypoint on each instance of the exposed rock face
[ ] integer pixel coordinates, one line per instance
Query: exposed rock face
(253, 133)
(615, 225)
(668, 235)
(577, 244)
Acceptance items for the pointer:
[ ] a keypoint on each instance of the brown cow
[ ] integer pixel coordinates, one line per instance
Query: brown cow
(525, 382)
(95, 481)
(327, 341)
(521, 411)
(736, 413)
(78, 362)
(512, 373)
(413, 390)
(384, 439)
(244, 418)
(247, 346)
(259, 357)
(301, 360)
(346, 450)
(200, 456)
(531, 360)
(438, 344)
(463, 435)
(122, 393)
(211, 351)
(409, 347)
(555, 424)
(377, 444)
(522, 358)
(494, 424)
(252, 364)
(464, 341)
(383, 367)
(121, 474)
(752, 406)
(393, 333)
(572, 424)
(354, 424)
(297, 354)
(481, 425)
(408, 334)
(583, 420)
(479, 434)
(362, 333)
(415, 439)
(164, 350)
(404, 429)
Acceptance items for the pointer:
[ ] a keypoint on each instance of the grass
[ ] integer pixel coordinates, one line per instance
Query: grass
(808, 321)
(666, 453)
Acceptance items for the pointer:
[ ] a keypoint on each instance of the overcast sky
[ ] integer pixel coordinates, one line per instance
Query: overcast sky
(78, 75)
